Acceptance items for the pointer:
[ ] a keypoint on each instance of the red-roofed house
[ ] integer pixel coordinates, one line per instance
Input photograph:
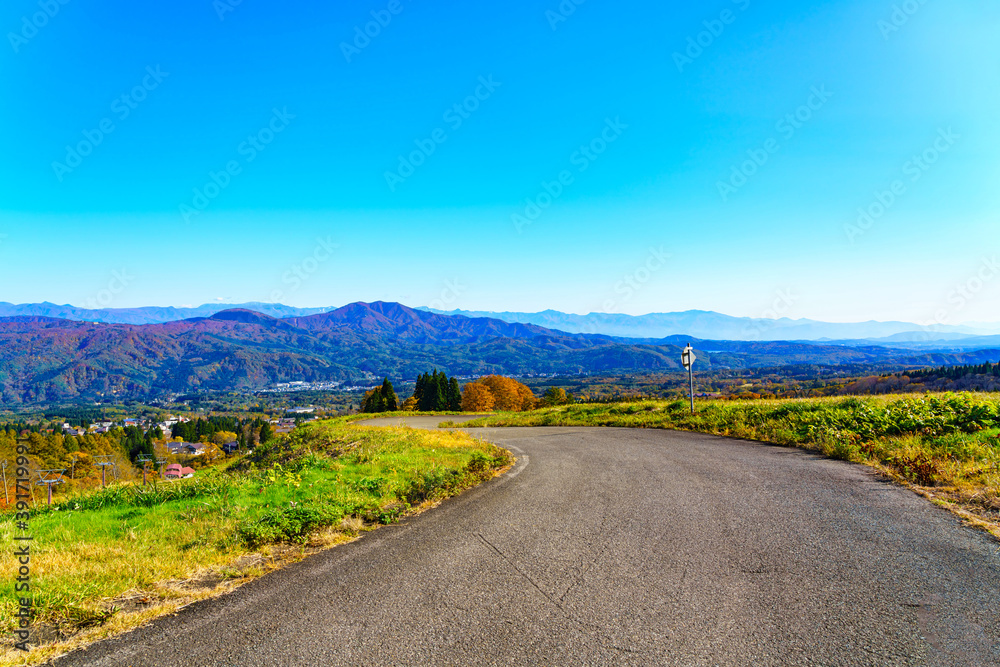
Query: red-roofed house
(177, 471)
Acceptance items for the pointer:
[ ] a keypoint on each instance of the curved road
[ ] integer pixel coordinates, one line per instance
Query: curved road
(621, 547)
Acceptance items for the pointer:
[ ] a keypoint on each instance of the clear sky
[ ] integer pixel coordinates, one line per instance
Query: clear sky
(630, 156)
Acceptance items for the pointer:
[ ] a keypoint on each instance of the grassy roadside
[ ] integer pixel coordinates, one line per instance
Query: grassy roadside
(365, 416)
(945, 446)
(107, 561)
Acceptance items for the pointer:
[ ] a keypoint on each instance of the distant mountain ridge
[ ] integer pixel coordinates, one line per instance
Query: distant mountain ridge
(716, 326)
(702, 324)
(47, 360)
(147, 314)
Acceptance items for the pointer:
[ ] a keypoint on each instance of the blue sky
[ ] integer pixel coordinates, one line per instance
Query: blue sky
(711, 157)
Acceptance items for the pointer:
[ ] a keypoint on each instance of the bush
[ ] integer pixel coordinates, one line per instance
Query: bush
(479, 464)
(918, 468)
(375, 485)
(288, 524)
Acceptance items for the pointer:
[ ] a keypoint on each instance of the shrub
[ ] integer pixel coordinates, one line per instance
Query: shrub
(375, 485)
(288, 524)
(480, 463)
(918, 468)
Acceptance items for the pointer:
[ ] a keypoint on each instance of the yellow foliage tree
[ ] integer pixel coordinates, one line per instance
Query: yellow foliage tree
(477, 398)
(222, 437)
(528, 400)
(509, 394)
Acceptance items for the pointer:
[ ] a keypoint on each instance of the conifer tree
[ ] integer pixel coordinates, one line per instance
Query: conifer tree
(439, 400)
(381, 399)
(389, 400)
(454, 396)
(420, 389)
(429, 399)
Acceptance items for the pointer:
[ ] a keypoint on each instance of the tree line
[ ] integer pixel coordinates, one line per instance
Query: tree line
(436, 392)
(955, 372)
(246, 432)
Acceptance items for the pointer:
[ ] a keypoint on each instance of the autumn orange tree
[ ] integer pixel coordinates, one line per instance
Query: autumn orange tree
(477, 398)
(507, 393)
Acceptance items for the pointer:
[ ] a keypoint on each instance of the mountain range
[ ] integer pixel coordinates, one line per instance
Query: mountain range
(146, 314)
(45, 359)
(701, 324)
(708, 324)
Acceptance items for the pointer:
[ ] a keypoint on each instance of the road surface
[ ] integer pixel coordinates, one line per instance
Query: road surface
(620, 547)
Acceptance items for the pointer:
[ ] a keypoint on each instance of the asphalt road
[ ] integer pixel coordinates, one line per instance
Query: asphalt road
(621, 547)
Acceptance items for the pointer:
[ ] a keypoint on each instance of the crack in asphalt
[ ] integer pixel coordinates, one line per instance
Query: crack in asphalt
(558, 604)
(524, 574)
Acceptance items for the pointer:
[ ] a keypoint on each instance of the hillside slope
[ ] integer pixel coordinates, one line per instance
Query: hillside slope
(49, 360)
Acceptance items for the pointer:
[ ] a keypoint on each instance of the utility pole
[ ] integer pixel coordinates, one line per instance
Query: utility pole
(687, 358)
(6, 497)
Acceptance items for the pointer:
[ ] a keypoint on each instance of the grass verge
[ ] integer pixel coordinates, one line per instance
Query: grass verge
(108, 561)
(945, 446)
(365, 416)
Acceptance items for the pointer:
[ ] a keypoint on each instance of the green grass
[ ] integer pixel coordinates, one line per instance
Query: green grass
(364, 416)
(330, 478)
(948, 442)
